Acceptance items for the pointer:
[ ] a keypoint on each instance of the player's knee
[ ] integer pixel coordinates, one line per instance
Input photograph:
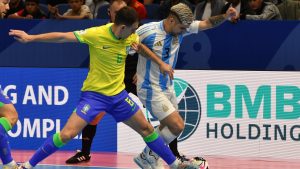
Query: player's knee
(67, 136)
(12, 117)
(146, 129)
(176, 128)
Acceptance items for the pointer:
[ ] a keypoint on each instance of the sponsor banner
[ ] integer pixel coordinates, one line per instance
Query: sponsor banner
(44, 99)
(233, 113)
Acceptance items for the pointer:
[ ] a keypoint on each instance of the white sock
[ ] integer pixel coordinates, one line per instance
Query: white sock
(166, 134)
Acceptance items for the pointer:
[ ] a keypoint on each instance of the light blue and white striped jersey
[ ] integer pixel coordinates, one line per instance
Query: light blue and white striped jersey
(165, 46)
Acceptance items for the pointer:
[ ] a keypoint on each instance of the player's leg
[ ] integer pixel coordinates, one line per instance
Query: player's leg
(151, 138)
(168, 136)
(174, 148)
(159, 105)
(8, 118)
(173, 144)
(127, 111)
(156, 143)
(88, 108)
(88, 134)
(72, 128)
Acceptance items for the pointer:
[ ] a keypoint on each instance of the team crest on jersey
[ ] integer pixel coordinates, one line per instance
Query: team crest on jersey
(85, 108)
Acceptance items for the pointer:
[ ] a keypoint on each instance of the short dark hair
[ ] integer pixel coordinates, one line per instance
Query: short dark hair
(127, 16)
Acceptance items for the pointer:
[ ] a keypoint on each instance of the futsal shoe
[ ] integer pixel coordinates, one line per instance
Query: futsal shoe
(141, 161)
(78, 158)
(25, 165)
(154, 160)
(10, 167)
(22, 167)
(182, 158)
(192, 164)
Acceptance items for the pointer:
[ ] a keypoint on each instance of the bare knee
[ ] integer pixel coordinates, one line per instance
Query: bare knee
(66, 136)
(146, 129)
(12, 116)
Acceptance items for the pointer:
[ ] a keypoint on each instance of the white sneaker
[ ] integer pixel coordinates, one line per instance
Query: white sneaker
(141, 161)
(25, 165)
(10, 167)
(192, 164)
(154, 160)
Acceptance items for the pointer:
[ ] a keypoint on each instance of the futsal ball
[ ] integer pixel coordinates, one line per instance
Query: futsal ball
(201, 162)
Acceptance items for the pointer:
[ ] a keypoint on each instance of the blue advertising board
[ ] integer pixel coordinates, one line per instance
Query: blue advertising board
(44, 99)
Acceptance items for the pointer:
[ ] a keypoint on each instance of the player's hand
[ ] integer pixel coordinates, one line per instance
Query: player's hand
(134, 79)
(232, 14)
(136, 47)
(166, 69)
(20, 36)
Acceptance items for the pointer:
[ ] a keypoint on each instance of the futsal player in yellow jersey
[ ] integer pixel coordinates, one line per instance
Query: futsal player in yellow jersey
(103, 89)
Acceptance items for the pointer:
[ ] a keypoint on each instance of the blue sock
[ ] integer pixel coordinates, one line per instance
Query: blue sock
(5, 152)
(156, 144)
(51, 145)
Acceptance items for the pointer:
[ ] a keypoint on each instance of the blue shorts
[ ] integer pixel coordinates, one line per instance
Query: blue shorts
(3, 98)
(120, 106)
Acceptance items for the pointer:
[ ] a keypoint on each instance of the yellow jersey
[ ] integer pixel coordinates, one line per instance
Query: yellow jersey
(107, 59)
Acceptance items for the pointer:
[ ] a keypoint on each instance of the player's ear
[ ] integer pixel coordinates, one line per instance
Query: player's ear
(123, 27)
(172, 19)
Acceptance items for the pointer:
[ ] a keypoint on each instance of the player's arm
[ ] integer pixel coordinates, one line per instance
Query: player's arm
(146, 52)
(53, 37)
(217, 20)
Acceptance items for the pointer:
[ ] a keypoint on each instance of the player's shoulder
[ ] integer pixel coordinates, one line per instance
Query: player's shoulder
(102, 28)
(133, 38)
(151, 26)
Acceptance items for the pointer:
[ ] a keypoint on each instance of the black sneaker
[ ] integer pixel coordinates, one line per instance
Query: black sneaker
(182, 158)
(78, 158)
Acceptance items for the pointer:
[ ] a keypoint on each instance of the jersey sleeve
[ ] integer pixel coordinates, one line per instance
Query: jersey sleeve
(87, 36)
(194, 28)
(135, 39)
(144, 31)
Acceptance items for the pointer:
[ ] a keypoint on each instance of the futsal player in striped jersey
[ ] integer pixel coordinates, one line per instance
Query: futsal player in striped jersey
(154, 88)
